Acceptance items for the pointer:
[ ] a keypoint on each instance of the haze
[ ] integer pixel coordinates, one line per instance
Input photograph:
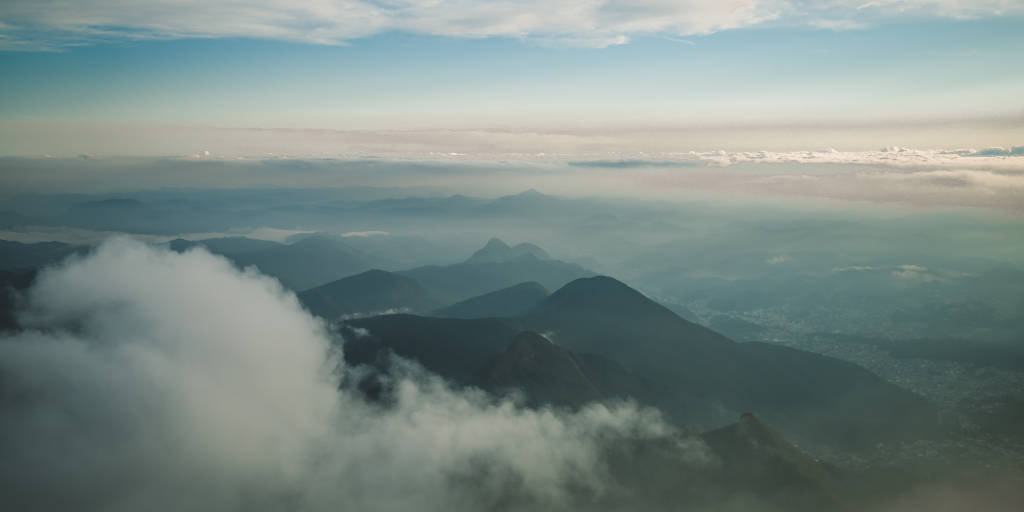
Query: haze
(460, 255)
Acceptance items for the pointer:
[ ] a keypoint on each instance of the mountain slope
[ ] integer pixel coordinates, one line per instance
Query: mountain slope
(542, 371)
(755, 458)
(310, 262)
(452, 348)
(11, 284)
(17, 255)
(512, 301)
(373, 291)
(704, 377)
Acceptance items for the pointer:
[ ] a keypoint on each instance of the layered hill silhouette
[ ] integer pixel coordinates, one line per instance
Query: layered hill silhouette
(24, 256)
(693, 374)
(494, 267)
(227, 246)
(497, 251)
(371, 292)
(310, 262)
(496, 271)
(512, 301)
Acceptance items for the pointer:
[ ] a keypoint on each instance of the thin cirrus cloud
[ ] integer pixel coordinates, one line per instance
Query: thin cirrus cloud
(53, 24)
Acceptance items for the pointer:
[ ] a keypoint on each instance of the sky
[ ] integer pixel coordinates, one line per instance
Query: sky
(113, 77)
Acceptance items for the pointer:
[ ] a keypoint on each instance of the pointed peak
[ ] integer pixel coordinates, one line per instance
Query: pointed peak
(497, 251)
(496, 243)
(587, 285)
(530, 193)
(605, 296)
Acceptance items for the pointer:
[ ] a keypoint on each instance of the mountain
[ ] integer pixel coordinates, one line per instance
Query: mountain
(17, 255)
(453, 348)
(118, 214)
(544, 372)
(527, 203)
(371, 292)
(224, 245)
(497, 251)
(468, 279)
(310, 262)
(400, 251)
(11, 283)
(11, 218)
(490, 354)
(512, 301)
(755, 458)
(624, 344)
(699, 371)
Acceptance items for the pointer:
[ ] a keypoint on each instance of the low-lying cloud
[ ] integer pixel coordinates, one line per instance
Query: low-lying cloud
(151, 380)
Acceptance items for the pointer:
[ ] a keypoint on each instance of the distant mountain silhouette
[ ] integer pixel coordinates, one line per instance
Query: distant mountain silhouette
(121, 214)
(529, 203)
(225, 245)
(526, 203)
(497, 251)
(512, 301)
(370, 292)
(310, 262)
(468, 279)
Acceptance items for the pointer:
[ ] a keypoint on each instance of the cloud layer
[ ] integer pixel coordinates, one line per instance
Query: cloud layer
(149, 380)
(51, 24)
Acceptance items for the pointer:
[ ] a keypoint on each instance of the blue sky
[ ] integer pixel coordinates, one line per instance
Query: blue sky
(886, 69)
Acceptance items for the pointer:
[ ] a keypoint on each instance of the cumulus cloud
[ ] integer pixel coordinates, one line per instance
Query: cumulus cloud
(50, 24)
(150, 380)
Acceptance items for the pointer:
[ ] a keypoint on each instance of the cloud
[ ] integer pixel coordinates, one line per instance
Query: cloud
(150, 380)
(993, 158)
(53, 24)
(1014, 151)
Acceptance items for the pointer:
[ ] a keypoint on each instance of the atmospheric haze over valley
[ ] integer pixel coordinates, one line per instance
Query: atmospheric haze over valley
(463, 256)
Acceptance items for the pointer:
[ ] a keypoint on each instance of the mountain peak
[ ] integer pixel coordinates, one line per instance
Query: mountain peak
(497, 251)
(496, 243)
(600, 293)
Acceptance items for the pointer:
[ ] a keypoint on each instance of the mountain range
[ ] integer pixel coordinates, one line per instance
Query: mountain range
(603, 339)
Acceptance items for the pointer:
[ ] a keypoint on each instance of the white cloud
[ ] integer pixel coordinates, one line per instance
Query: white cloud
(364, 234)
(150, 380)
(51, 24)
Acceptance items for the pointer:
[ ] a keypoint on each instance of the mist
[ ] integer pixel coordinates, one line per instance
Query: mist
(147, 379)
